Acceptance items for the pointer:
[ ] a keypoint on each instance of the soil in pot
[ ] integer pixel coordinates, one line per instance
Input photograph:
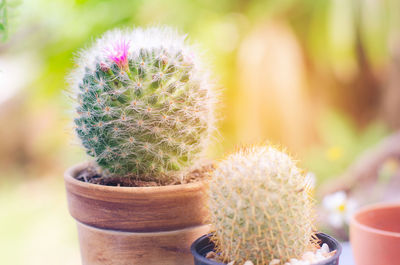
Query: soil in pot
(203, 245)
(91, 175)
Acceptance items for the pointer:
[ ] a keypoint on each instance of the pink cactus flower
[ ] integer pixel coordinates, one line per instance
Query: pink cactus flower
(119, 53)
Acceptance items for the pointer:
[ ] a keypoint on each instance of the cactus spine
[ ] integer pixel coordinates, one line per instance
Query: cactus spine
(144, 103)
(260, 207)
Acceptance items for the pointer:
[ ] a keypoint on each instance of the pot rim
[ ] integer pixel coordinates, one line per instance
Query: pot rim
(73, 170)
(207, 261)
(370, 208)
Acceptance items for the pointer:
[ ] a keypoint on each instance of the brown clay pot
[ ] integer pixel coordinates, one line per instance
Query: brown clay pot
(136, 225)
(375, 235)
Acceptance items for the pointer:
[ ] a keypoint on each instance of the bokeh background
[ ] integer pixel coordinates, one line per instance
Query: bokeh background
(321, 78)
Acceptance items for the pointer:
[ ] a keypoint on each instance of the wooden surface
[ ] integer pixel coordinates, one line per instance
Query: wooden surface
(136, 209)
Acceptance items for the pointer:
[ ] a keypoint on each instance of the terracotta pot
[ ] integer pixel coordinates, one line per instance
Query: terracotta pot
(136, 225)
(203, 245)
(375, 235)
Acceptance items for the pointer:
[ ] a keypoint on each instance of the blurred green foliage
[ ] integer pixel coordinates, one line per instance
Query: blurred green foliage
(3, 19)
(53, 31)
(8, 13)
(341, 143)
(344, 45)
(326, 31)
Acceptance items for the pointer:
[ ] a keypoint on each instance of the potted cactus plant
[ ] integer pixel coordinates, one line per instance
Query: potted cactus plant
(261, 213)
(144, 113)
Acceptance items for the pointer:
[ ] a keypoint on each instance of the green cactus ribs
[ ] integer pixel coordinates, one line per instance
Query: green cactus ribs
(144, 105)
(260, 207)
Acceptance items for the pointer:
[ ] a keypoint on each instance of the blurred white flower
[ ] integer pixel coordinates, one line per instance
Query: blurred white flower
(339, 208)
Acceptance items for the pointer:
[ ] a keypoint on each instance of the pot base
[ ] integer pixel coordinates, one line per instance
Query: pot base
(203, 245)
(108, 247)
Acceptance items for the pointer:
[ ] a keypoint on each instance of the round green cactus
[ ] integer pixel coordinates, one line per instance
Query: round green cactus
(144, 103)
(260, 207)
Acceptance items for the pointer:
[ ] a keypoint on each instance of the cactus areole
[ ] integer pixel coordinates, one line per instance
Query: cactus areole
(144, 103)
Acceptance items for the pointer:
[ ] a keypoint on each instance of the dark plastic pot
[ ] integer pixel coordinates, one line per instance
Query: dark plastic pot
(203, 245)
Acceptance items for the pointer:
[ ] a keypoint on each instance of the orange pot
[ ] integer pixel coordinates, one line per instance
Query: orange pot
(136, 225)
(375, 235)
